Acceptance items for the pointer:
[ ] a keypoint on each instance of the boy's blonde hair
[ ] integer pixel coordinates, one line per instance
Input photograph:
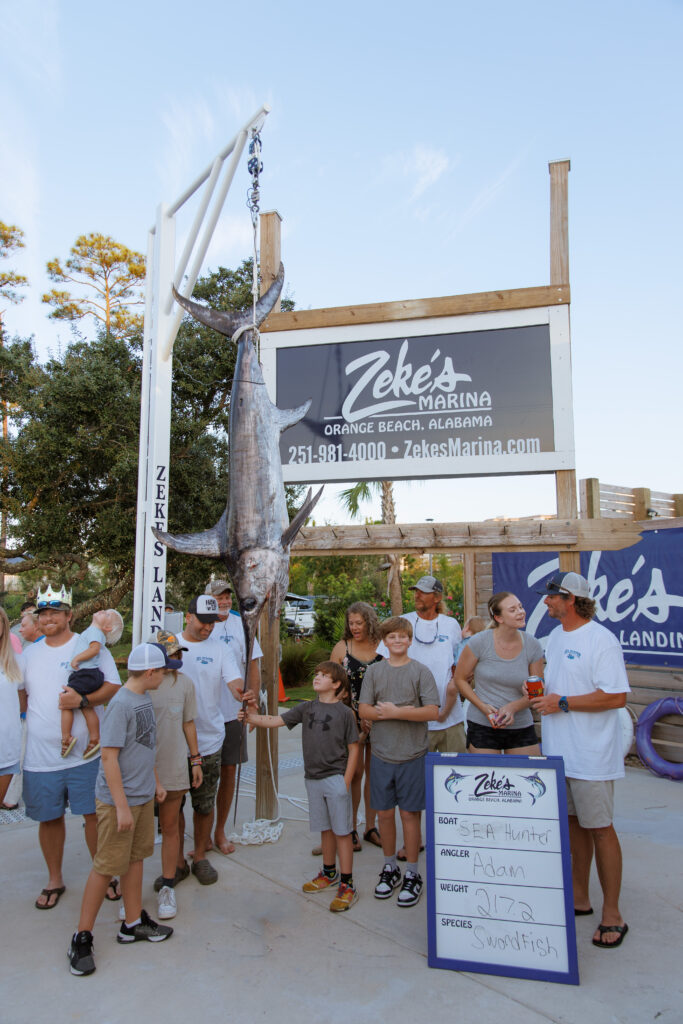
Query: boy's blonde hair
(396, 624)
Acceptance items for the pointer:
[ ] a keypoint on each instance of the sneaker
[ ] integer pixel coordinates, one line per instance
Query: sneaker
(411, 890)
(147, 930)
(80, 954)
(320, 882)
(389, 879)
(167, 904)
(345, 898)
(180, 875)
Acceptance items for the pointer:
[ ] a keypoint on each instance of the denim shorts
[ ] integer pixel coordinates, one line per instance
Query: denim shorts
(47, 794)
(397, 785)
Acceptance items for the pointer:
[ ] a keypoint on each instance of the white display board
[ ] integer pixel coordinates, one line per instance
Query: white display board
(499, 891)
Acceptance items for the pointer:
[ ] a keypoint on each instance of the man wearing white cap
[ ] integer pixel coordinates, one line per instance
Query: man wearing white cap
(229, 631)
(53, 780)
(585, 685)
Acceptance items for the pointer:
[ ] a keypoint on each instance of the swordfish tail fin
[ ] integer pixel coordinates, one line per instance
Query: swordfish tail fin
(209, 544)
(288, 417)
(225, 322)
(301, 517)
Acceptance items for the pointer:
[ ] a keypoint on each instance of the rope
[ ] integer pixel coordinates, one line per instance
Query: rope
(254, 166)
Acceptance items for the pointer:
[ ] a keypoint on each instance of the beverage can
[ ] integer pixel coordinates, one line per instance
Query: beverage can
(534, 686)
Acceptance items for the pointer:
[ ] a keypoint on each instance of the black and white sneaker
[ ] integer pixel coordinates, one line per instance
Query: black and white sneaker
(411, 890)
(80, 954)
(389, 879)
(148, 931)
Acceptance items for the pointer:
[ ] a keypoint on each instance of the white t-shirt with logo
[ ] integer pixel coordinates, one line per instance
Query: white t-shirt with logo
(580, 661)
(10, 722)
(46, 673)
(435, 644)
(210, 666)
(231, 632)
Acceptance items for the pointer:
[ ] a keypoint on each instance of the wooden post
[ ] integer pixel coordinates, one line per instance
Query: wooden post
(642, 501)
(678, 504)
(590, 498)
(469, 586)
(267, 739)
(565, 479)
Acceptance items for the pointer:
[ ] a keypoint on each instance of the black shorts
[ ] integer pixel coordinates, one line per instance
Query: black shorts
(86, 680)
(484, 737)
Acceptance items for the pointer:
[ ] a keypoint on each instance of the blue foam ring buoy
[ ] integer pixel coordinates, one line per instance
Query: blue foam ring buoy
(646, 751)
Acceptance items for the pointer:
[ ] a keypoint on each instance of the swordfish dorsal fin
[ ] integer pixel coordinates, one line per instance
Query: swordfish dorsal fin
(301, 517)
(226, 323)
(210, 543)
(288, 417)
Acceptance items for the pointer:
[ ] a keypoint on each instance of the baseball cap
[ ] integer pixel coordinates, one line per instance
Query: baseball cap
(216, 587)
(146, 656)
(567, 583)
(205, 608)
(428, 585)
(170, 645)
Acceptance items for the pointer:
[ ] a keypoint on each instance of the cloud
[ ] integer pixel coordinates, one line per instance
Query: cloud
(426, 165)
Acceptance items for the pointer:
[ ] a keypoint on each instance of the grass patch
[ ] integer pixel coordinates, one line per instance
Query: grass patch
(297, 693)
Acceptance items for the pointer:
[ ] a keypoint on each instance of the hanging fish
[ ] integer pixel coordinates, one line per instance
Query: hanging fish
(538, 786)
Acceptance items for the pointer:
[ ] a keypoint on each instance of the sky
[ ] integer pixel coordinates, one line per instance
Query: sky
(407, 152)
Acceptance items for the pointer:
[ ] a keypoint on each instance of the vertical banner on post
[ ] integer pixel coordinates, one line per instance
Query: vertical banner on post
(499, 884)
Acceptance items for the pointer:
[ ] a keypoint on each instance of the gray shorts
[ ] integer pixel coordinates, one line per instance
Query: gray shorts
(230, 751)
(591, 801)
(329, 805)
(397, 785)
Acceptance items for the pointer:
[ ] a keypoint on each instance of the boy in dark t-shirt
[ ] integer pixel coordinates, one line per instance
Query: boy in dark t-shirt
(330, 748)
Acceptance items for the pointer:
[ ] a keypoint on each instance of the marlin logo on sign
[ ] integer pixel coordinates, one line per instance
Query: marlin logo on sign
(538, 786)
(452, 781)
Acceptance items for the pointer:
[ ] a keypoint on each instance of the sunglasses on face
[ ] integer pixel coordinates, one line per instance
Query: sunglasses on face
(42, 605)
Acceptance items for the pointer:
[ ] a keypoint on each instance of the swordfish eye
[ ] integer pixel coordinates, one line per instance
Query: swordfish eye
(249, 604)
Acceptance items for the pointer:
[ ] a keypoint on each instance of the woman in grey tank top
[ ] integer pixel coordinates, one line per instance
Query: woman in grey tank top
(501, 658)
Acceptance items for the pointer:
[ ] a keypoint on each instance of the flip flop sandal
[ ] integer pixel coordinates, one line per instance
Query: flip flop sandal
(582, 913)
(47, 893)
(68, 745)
(357, 847)
(114, 884)
(372, 836)
(8, 807)
(603, 928)
(402, 856)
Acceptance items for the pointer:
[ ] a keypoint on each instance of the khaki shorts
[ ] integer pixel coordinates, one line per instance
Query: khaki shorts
(116, 851)
(447, 741)
(591, 801)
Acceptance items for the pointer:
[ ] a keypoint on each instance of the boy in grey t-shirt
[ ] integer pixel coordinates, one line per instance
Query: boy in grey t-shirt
(399, 696)
(330, 747)
(124, 792)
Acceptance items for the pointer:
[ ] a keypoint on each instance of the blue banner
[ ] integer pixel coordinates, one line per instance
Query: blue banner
(638, 593)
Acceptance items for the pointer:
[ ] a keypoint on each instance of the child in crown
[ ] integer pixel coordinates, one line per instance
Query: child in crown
(106, 628)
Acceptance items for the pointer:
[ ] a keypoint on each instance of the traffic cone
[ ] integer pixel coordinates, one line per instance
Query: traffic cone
(281, 695)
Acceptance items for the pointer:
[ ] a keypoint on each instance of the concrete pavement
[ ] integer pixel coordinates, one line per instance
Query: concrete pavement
(255, 947)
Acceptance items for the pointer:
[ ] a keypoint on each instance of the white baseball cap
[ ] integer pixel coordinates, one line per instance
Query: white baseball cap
(146, 656)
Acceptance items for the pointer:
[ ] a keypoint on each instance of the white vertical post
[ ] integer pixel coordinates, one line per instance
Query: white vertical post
(151, 588)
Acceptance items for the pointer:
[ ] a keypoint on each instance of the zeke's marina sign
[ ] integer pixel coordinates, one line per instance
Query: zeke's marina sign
(487, 393)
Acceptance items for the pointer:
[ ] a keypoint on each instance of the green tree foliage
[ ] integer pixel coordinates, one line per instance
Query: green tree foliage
(11, 239)
(107, 277)
(72, 486)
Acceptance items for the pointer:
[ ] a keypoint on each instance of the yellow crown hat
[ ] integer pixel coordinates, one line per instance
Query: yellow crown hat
(50, 598)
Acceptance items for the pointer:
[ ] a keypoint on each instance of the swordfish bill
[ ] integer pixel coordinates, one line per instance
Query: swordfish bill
(253, 536)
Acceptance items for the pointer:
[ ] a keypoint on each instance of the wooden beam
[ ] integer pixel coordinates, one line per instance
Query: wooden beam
(642, 501)
(469, 585)
(559, 222)
(418, 309)
(417, 538)
(590, 498)
(270, 224)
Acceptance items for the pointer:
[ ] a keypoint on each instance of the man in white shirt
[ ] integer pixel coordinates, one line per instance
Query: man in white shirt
(212, 669)
(50, 780)
(229, 631)
(585, 685)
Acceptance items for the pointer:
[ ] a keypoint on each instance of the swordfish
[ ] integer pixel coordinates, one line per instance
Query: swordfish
(253, 536)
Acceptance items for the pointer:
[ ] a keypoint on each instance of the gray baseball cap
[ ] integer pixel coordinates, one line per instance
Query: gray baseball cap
(567, 583)
(428, 585)
(217, 587)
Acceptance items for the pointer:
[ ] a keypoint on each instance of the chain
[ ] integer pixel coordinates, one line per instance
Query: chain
(255, 167)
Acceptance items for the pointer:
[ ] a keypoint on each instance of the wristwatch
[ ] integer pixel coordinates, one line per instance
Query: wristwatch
(564, 704)
(85, 703)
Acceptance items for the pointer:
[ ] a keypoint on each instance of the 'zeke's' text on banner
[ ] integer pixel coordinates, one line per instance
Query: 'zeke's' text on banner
(462, 402)
(638, 594)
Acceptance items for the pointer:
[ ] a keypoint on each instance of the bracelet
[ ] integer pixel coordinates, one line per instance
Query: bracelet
(196, 759)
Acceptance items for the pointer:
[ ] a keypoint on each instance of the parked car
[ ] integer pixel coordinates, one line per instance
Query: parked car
(299, 615)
